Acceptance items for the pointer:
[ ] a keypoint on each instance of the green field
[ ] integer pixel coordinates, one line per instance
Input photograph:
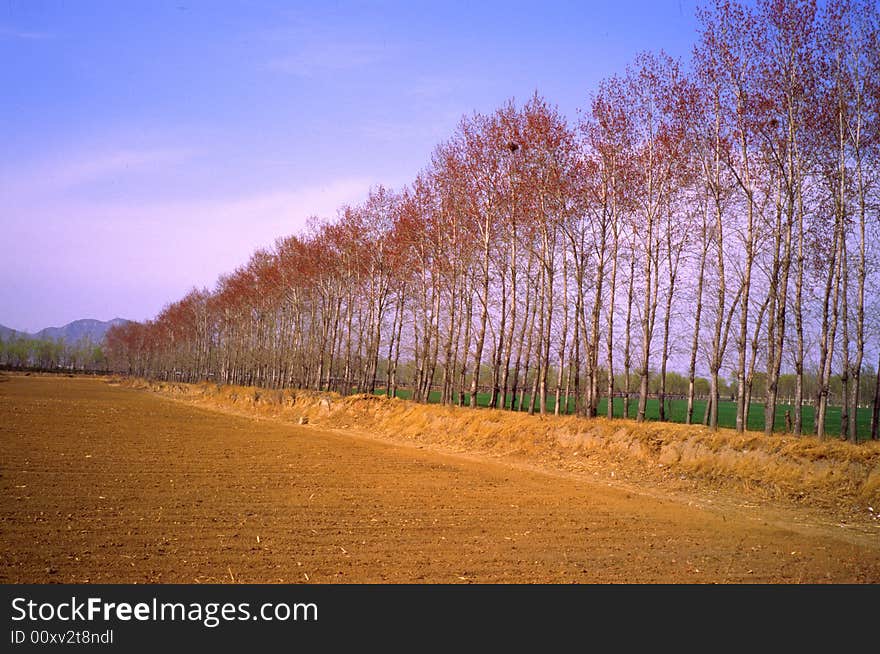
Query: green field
(676, 410)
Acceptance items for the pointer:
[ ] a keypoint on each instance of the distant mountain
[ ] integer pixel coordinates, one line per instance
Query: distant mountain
(6, 333)
(93, 330)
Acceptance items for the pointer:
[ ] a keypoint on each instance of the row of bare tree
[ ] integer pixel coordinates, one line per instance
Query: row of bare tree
(724, 216)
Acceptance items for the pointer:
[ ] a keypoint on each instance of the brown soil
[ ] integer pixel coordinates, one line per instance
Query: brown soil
(105, 484)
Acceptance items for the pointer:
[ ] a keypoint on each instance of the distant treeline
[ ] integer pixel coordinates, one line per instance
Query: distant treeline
(48, 354)
(676, 385)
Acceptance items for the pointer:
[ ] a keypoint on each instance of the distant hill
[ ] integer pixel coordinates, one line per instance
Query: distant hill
(93, 330)
(6, 333)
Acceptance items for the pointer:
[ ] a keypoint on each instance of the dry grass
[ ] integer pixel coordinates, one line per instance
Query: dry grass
(824, 473)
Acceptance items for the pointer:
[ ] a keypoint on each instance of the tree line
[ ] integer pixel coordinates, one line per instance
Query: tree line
(24, 352)
(720, 215)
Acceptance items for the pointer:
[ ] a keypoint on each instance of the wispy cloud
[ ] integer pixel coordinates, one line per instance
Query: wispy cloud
(246, 220)
(433, 88)
(319, 58)
(114, 258)
(168, 243)
(27, 35)
(116, 162)
(66, 172)
(426, 132)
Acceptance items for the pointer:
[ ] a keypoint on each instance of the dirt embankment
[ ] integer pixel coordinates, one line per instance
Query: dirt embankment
(836, 478)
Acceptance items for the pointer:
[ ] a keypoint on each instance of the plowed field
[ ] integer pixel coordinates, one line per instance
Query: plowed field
(108, 484)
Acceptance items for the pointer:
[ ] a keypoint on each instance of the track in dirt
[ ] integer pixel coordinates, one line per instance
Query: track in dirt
(103, 484)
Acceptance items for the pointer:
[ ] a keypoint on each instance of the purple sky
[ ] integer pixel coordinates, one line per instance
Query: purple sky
(149, 147)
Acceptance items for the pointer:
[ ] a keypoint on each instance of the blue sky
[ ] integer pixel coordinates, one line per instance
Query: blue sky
(148, 147)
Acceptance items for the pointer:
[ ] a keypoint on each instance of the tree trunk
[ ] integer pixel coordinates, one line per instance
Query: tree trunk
(484, 318)
(698, 313)
(875, 416)
(609, 410)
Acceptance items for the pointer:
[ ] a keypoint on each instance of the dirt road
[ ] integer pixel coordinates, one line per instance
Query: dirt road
(106, 484)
